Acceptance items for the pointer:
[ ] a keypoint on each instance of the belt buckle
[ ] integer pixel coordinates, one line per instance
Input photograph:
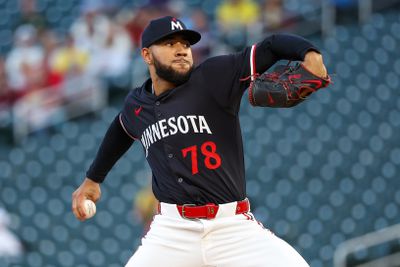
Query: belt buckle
(183, 210)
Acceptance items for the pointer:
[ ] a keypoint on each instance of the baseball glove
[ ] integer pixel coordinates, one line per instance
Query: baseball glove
(287, 86)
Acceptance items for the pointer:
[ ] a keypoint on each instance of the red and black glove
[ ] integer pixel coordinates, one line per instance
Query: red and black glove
(287, 86)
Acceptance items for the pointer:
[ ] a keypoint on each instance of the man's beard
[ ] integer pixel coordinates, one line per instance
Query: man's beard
(169, 74)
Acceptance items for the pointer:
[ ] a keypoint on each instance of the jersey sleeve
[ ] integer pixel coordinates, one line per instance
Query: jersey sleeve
(229, 76)
(115, 143)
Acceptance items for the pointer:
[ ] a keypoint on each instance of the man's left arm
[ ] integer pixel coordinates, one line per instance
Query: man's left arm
(287, 86)
(285, 47)
(232, 74)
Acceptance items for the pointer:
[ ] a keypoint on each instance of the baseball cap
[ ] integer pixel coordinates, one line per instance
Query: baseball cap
(165, 26)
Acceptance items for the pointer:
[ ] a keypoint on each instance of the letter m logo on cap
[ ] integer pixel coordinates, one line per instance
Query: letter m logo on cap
(176, 25)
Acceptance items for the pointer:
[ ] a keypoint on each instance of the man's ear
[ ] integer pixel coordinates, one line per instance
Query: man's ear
(146, 55)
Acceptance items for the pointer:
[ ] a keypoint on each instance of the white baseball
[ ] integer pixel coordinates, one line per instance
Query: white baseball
(90, 208)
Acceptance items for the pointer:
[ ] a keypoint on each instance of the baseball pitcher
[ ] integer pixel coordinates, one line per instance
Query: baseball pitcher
(186, 118)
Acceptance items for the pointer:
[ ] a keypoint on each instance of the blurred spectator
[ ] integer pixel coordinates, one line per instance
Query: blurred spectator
(177, 8)
(24, 62)
(90, 30)
(29, 15)
(107, 44)
(135, 22)
(5, 92)
(145, 207)
(233, 14)
(50, 45)
(6, 100)
(202, 49)
(274, 16)
(235, 18)
(112, 60)
(68, 60)
(10, 246)
(110, 7)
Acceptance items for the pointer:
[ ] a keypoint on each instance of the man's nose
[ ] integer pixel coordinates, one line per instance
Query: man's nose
(181, 50)
(181, 54)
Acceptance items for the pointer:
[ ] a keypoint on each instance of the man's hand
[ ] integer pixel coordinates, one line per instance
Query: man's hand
(87, 190)
(313, 62)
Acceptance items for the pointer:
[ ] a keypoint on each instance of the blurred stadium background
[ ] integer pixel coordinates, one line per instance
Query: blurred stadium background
(318, 175)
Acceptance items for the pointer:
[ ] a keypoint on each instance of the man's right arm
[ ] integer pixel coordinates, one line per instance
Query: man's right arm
(115, 143)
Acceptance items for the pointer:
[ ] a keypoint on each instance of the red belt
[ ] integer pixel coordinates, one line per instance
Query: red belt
(209, 211)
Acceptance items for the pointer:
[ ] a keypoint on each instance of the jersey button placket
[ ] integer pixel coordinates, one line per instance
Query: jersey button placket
(157, 109)
(159, 114)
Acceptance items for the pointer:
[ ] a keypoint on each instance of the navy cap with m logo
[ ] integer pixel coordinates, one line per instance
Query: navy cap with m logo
(166, 26)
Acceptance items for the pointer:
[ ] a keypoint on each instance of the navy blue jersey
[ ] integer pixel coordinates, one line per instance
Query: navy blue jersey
(191, 134)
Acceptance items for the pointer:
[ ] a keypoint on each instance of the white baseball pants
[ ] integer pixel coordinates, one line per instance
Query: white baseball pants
(229, 240)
